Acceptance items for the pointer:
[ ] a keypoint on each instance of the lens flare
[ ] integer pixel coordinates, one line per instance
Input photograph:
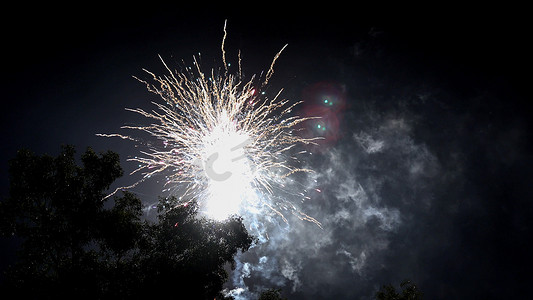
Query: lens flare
(224, 142)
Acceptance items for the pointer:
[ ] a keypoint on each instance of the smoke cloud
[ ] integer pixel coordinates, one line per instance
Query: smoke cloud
(362, 192)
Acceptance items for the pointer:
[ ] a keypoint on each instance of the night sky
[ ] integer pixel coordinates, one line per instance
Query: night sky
(425, 170)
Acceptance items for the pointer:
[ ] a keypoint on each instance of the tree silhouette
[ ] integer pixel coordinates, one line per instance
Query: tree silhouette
(271, 294)
(409, 291)
(74, 246)
(187, 251)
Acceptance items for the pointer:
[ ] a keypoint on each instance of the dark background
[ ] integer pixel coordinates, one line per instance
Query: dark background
(67, 75)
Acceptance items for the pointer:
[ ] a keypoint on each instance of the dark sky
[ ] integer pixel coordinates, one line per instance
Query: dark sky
(426, 169)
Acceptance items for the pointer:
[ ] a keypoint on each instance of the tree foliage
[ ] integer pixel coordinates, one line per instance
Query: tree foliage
(75, 245)
(185, 250)
(409, 291)
(271, 294)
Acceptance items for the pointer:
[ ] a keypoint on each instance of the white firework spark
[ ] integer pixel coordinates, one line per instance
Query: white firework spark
(225, 143)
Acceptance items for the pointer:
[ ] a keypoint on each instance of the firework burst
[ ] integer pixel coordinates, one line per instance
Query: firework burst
(223, 141)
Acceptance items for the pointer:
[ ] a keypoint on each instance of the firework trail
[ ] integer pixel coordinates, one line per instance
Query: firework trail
(223, 142)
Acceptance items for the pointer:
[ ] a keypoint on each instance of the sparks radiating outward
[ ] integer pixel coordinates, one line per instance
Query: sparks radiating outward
(224, 143)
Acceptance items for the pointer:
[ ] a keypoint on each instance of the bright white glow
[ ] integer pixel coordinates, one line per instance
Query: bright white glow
(221, 142)
(227, 169)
